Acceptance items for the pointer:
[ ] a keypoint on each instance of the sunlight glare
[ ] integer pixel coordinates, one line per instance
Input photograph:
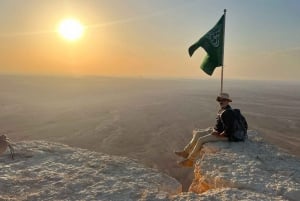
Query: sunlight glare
(71, 29)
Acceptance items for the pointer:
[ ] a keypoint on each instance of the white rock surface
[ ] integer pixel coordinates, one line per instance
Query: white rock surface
(226, 194)
(50, 171)
(252, 166)
(251, 170)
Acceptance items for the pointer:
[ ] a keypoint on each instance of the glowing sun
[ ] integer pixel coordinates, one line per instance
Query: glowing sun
(71, 29)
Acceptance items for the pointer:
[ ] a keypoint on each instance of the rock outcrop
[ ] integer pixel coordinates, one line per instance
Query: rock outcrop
(226, 194)
(250, 166)
(50, 171)
(250, 170)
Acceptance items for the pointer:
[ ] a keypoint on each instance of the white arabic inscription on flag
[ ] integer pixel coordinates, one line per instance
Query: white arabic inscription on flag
(214, 36)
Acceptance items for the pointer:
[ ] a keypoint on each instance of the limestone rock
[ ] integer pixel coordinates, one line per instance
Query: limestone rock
(50, 171)
(227, 194)
(251, 170)
(252, 165)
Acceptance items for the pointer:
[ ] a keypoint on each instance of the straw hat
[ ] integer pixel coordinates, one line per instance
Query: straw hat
(223, 96)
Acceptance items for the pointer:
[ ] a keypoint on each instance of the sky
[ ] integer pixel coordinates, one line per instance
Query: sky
(150, 38)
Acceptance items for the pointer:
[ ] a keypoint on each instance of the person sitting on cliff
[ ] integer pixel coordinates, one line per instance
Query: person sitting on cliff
(220, 132)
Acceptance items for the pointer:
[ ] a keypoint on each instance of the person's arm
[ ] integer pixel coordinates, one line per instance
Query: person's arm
(228, 121)
(218, 128)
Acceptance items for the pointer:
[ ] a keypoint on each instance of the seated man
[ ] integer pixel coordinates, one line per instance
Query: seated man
(221, 132)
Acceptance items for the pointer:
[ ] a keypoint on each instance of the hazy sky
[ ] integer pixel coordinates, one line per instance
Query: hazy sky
(150, 37)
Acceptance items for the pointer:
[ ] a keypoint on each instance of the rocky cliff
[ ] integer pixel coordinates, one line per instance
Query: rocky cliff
(251, 167)
(251, 170)
(50, 171)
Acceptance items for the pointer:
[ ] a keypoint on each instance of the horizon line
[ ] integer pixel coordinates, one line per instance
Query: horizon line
(142, 77)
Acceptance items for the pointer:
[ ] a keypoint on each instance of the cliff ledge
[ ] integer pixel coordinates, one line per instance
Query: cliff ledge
(253, 166)
(51, 171)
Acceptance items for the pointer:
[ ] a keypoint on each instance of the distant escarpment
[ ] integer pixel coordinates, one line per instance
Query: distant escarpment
(250, 170)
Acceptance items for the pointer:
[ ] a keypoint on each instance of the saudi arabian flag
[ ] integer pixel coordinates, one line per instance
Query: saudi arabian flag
(213, 43)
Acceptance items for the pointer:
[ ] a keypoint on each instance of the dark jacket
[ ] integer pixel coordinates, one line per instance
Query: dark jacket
(225, 120)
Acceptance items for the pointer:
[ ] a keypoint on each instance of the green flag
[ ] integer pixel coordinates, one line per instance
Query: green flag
(213, 43)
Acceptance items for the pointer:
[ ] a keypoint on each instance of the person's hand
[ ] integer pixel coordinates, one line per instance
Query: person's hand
(222, 134)
(215, 133)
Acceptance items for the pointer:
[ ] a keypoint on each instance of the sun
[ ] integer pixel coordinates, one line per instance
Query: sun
(71, 29)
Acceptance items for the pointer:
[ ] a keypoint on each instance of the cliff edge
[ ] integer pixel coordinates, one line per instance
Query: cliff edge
(250, 170)
(251, 166)
(51, 171)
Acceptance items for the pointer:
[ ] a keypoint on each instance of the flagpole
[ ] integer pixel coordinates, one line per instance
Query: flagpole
(222, 71)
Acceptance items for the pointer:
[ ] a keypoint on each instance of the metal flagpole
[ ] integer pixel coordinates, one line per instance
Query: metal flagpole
(222, 71)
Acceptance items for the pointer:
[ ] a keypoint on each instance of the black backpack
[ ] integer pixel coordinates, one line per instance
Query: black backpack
(240, 127)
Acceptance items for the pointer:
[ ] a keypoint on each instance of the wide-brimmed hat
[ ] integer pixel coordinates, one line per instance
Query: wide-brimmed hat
(223, 96)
